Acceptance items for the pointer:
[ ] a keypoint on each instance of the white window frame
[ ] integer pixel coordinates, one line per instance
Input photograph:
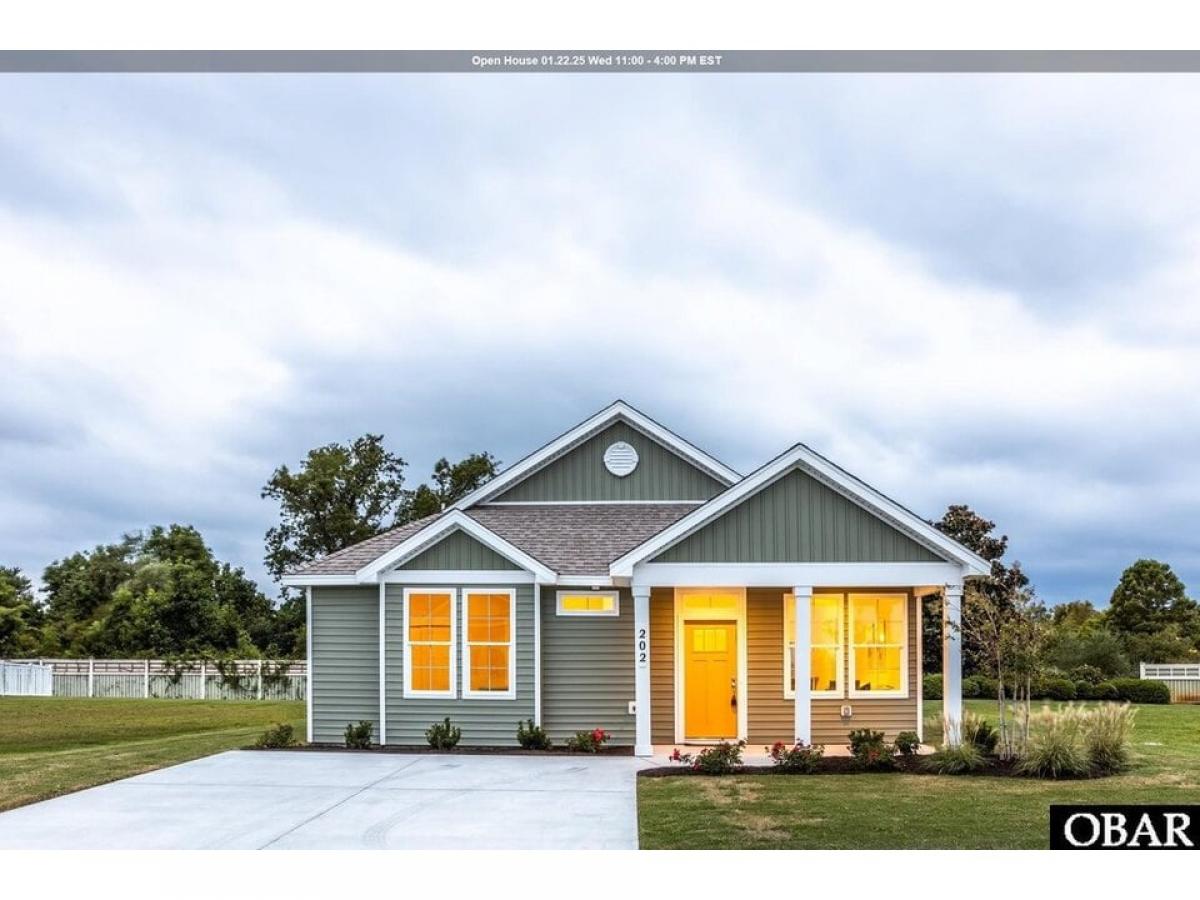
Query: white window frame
(904, 648)
(789, 635)
(587, 613)
(511, 693)
(452, 692)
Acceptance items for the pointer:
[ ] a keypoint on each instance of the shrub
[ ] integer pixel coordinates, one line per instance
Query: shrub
(532, 737)
(871, 751)
(442, 735)
(979, 686)
(1134, 690)
(955, 759)
(1091, 674)
(277, 736)
(1084, 690)
(907, 743)
(719, 759)
(797, 758)
(1054, 749)
(1105, 690)
(588, 741)
(1058, 689)
(979, 732)
(358, 737)
(1106, 738)
(931, 687)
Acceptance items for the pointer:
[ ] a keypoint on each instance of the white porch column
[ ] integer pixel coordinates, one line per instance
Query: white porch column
(382, 662)
(952, 596)
(802, 661)
(641, 672)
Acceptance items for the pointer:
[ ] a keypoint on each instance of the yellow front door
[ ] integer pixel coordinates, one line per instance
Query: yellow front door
(710, 680)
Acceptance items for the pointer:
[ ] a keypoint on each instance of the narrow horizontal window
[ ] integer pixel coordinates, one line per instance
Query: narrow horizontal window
(588, 603)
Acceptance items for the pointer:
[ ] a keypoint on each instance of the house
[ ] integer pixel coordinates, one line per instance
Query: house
(622, 578)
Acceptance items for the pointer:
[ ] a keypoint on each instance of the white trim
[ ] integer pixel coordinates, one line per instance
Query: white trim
(802, 596)
(643, 647)
(347, 580)
(467, 692)
(904, 650)
(454, 576)
(919, 609)
(382, 664)
(682, 616)
(452, 692)
(952, 598)
(588, 614)
(308, 668)
(866, 575)
(789, 692)
(537, 655)
(592, 503)
(585, 430)
(801, 457)
(596, 581)
(437, 530)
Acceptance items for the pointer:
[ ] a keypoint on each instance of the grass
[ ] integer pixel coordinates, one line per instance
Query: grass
(55, 745)
(891, 811)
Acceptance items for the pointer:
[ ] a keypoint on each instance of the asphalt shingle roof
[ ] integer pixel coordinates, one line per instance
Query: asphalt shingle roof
(350, 559)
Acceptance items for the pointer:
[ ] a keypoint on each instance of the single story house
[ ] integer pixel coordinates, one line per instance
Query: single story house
(622, 578)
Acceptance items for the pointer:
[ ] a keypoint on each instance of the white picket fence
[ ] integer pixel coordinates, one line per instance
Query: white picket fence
(246, 679)
(26, 680)
(1183, 679)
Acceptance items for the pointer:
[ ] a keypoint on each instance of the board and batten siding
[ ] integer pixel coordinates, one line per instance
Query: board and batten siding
(797, 519)
(771, 716)
(580, 474)
(484, 723)
(587, 671)
(459, 551)
(345, 660)
(662, 666)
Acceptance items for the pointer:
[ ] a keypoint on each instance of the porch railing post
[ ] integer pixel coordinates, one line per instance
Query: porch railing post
(802, 662)
(641, 671)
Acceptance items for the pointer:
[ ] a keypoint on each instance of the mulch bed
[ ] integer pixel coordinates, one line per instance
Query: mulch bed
(457, 751)
(833, 765)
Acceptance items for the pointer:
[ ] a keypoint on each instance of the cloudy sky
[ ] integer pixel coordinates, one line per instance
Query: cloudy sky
(977, 289)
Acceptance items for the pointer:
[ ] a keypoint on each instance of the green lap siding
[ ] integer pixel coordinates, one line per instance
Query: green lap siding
(580, 474)
(797, 519)
(484, 723)
(459, 551)
(345, 660)
(587, 671)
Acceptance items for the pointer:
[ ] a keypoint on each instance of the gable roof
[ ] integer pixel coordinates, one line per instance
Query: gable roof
(618, 411)
(811, 462)
(350, 559)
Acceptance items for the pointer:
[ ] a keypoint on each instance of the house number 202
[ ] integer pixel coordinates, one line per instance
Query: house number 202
(643, 648)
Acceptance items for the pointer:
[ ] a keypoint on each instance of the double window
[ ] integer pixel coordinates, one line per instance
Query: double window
(431, 628)
(877, 657)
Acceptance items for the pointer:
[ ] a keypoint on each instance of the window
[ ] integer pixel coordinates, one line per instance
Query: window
(488, 658)
(879, 649)
(826, 674)
(589, 603)
(428, 643)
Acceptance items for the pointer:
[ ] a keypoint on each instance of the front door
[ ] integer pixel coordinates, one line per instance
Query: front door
(710, 680)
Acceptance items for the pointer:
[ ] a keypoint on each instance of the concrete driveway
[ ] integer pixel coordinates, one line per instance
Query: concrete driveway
(329, 800)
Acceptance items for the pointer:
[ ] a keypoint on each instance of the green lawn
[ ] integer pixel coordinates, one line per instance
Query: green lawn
(881, 811)
(55, 745)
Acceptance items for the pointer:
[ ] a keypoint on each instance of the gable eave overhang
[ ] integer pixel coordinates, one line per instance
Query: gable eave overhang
(812, 463)
(620, 410)
(441, 528)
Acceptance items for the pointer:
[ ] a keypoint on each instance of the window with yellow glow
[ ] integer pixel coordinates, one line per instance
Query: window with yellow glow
(429, 643)
(488, 644)
(588, 603)
(826, 660)
(879, 643)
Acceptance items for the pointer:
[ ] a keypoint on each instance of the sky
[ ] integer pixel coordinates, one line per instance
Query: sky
(973, 289)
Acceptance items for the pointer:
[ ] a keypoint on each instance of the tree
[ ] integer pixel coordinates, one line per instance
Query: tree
(342, 494)
(1149, 597)
(451, 482)
(20, 614)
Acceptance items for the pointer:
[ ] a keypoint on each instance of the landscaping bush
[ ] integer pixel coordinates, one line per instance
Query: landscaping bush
(931, 687)
(442, 735)
(588, 741)
(980, 733)
(1085, 690)
(871, 751)
(797, 758)
(979, 686)
(358, 737)
(1105, 690)
(532, 737)
(1055, 750)
(1134, 690)
(907, 743)
(1057, 689)
(955, 759)
(1106, 738)
(1093, 675)
(720, 759)
(276, 737)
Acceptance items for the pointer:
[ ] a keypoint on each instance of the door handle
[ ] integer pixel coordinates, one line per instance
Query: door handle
(733, 692)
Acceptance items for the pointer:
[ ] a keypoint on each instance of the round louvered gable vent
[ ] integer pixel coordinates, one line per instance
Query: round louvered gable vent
(620, 459)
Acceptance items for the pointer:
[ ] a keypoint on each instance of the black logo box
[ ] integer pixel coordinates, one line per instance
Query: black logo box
(1125, 827)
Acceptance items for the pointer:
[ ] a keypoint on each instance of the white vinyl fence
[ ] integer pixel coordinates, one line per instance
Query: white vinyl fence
(246, 679)
(26, 680)
(1182, 678)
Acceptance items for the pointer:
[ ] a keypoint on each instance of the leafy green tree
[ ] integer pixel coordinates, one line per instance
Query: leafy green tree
(341, 494)
(451, 482)
(20, 614)
(78, 586)
(1148, 597)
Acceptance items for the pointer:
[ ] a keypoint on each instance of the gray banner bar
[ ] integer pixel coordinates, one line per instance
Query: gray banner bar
(612, 61)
